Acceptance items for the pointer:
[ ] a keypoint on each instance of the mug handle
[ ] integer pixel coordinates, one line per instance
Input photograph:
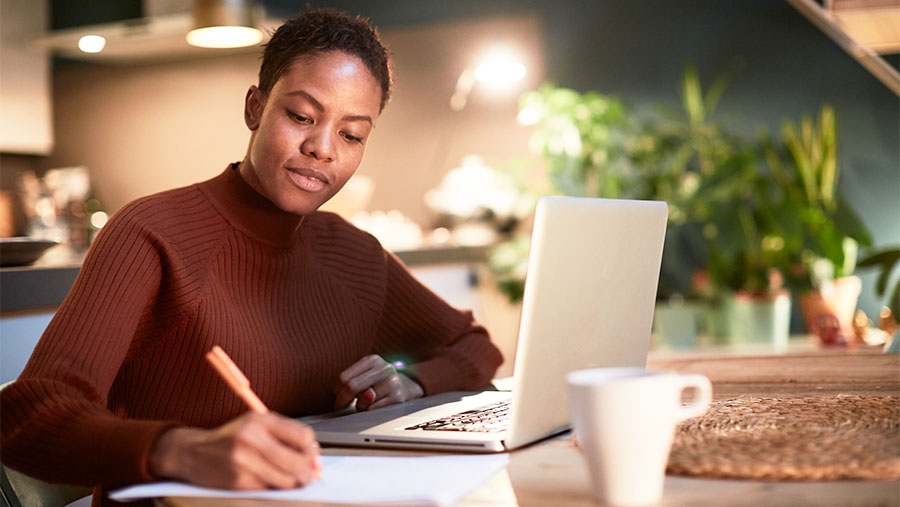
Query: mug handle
(701, 400)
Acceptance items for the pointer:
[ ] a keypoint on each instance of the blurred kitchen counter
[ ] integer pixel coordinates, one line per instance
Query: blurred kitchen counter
(432, 255)
(44, 284)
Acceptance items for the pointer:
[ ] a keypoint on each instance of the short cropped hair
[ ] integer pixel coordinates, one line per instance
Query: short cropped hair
(321, 30)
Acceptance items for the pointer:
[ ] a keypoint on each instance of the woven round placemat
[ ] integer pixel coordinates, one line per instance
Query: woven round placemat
(807, 438)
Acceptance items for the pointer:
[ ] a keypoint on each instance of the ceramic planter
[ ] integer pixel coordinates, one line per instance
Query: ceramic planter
(759, 318)
(676, 325)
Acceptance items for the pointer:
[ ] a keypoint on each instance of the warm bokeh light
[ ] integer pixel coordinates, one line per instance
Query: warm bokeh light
(91, 43)
(99, 219)
(500, 69)
(530, 115)
(224, 37)
(497, 71)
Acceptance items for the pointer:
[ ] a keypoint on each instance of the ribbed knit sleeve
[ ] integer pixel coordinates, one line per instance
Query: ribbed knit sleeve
(56, 424)
(456, 353)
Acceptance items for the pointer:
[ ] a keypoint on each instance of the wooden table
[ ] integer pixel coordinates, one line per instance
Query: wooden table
(552, 473)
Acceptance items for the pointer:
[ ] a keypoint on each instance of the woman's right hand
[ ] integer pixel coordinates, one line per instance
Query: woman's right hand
(253, 451)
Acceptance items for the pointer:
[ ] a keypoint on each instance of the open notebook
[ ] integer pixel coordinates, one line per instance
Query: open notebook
(592, 276)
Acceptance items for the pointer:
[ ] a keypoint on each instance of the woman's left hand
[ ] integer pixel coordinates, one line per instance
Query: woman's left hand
(374, 383)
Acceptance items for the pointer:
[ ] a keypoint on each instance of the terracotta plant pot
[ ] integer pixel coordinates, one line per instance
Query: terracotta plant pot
(828, 312)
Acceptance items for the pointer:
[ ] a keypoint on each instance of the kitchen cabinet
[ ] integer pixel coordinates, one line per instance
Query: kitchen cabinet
(26, 117)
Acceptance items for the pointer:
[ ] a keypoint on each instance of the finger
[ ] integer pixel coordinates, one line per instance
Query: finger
(344, 393)
(361, 379)
(302, 439)
(317, 461)
(367, 386)
(399, 388)
(353, 387)
(284, 449)
(389, 393)
(253, 470)
(365, 398)
(367, 363)
(291, 432)
(371, 378)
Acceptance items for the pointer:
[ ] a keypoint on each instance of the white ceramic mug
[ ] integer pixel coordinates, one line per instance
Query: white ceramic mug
(624, 420)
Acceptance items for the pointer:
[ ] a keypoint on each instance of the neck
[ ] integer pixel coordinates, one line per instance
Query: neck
(250, 210)
(245, 169)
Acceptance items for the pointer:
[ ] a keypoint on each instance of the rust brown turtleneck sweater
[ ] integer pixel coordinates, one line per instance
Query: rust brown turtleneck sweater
(293, 300)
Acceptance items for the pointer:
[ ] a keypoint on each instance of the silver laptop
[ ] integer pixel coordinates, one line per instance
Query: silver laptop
(589, 296)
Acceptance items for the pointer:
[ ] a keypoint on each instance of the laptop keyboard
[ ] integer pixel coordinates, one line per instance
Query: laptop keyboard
(488, 419)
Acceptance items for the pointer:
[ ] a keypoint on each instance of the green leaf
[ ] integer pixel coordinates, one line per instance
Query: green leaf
(829, 171)
(849, 223)
(884, 258)
(691, 95)
(801, 156)
(715, 92)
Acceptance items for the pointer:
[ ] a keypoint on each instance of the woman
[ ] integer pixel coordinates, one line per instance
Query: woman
(313, 310)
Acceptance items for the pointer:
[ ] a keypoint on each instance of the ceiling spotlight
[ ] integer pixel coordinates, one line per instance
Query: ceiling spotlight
(91, 44)
(224, 24)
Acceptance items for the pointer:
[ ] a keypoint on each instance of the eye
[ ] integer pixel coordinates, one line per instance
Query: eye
(351, 137)
(297, 117)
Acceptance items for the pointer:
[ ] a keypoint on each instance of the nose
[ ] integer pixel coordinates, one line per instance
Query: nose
(318, 144)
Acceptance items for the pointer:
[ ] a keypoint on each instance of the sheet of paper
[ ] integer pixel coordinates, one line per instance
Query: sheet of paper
(365, 480)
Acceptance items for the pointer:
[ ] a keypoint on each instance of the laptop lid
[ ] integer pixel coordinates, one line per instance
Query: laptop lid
(589, 297)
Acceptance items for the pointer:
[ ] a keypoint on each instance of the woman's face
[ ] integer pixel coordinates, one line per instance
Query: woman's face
(309, 131)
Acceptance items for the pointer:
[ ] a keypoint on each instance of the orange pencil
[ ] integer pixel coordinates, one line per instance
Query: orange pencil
(241, 385)
(235, 378)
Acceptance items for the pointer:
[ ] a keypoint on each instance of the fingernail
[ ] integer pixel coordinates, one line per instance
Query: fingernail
(369, 395)
(317, 467)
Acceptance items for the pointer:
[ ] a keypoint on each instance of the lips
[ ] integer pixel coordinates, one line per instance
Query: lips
(306, 179)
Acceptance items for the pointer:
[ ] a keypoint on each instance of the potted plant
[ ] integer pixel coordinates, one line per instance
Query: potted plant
(708, 177)
(823, 232)
(757, 233)
(733, 204)
(745, 248)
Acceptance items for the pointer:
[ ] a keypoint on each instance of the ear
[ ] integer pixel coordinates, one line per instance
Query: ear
(254, 104)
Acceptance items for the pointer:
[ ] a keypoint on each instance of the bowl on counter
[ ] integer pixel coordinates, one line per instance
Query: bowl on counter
(22, 250)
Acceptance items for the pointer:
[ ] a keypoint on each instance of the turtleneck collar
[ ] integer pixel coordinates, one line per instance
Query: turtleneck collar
(250, 211)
